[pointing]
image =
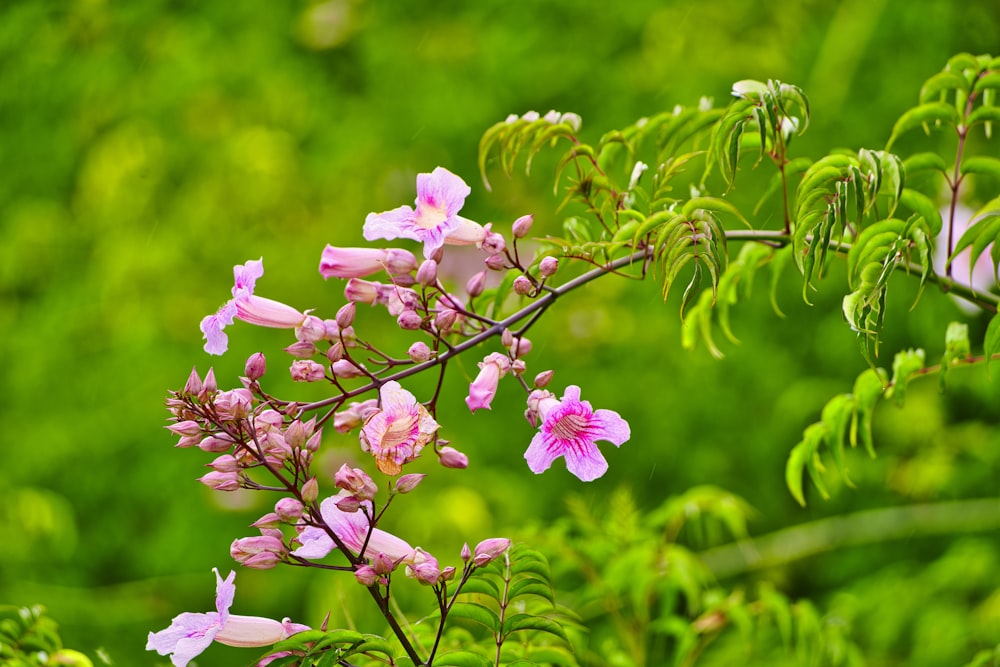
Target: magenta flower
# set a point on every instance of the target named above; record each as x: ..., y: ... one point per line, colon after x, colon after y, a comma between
x: 248, y: 307
x: 398, y: 431
x: 190, y: 633
x: 352, y: 528
x: 440, y: 196
x: 570, y: 428
x: 484, y: 388
x: 360, y: 262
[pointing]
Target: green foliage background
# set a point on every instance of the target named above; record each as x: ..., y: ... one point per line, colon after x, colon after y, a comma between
x: 148, y: 146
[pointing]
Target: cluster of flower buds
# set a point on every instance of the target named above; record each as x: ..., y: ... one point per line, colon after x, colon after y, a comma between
x: 553, y: 116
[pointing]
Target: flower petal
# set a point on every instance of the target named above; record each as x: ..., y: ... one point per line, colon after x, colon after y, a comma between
x: 225, y: 590
x: 541, y: 454
x: 245, y: 277
x: 612, y: 427
x: 315, y: 543
x: 442, y: 189
x: 216, y: 341
x: 390, y: 225
x: 586, y: 462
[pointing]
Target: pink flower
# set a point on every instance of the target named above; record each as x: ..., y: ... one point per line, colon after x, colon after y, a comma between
x: 359, y: 262
x: 440, y: 196
x: 570, y: 428
x: 398, y: 431
x: 247, y: 307
x: 352, y: 528
x: 484, y: 387
x: 190, y: 633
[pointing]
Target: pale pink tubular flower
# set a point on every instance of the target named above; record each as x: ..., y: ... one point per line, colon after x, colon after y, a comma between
x: 440, y: 196
x: 247, y: 307
x: 360, y: 262
x: 484, y: 387
x: 190, y: 633
x: 570, y: 428
x: 352, y: 529
x: 398, y: 431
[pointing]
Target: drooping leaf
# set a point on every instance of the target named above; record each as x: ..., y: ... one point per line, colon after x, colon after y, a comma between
x: 931, y: 112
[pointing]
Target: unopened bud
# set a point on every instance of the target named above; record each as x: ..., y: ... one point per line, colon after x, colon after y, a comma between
x: 450, y: 457
x: 225, y: 463
x: 289, y: 509
x: 519, y: 347
x: 262, y: 561
x: 548, y: 266
x: 307, y: 370
x: 522, y: 226
x: 269, y: 520
x: 335, y: 353
x: 310, y: 491
x: 427, y: 273
x: 383, y: 563
x: 301, y: 350
x: 312, y: 444
x: 517, y: 367
x: 403, y: 280
x: 186, y: 427
x: 348, y: 504
x: 544, y: 378
x: 366, y: 575
x: 407, y: 483
x: 193, y: 385
x: 209, y: 386
x: 399, y: 261
x: 476, y: 284
x: 506, y: 337
x: 221, y: 481
x: 345, y: 316
x: 419, y: 352
x: 214, y: 444
x: 311, y: 330
x: 296, y: 434
x: 346, y: 368
x: 493, y: 244
x: 522, y: 285
x: 409, y: 320
x: 255, y: 366
x: 445, y: 320
x: 355, y: 481
x: 496, y: 263
x: 487, y: 550
x: 466, y: 552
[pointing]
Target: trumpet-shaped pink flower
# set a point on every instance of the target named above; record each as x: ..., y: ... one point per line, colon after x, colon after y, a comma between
x: 440, y: 196
x: 570, y: 428
x: 248, y: 307
x: 190, y: 633
x: 352, y: 528
x: 398, y: 431
x: 359, y: 262
x: 484, y: 387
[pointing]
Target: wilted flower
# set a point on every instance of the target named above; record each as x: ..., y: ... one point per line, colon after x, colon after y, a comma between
x: 398, y: 431
x: 570, y: 428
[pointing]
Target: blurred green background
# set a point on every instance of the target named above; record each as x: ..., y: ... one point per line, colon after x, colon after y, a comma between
x: 148, y: 146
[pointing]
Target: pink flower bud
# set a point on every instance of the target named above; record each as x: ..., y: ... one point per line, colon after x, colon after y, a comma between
x: 301, y: 350
x: 356, y: 482
x: 361, y: 291
x: 289, y: 509
x: 234, y: 404
x: 476, y: 284
x: 351, y: 262
x: 188, y: 441
x: 517, y: 367
x: 312, y: 444
x: 409, y: 320
x: 297, y: 433
x: 256, y: 366
x: 345, y: 316
x: 262, y: 561
x: 522, y: 226
x: 225, y: 463
x: 215, y: 444
x: 221, y: 481
x: 209, y: 386
x: 383, y: 563
x: 187, y: 427
x: 419, y: 352
x: 544, y: 378
x: 269, y: 520
x: 347, y: 369
x: 445, y: 320
x: 312, y: 330
x: 506, y: 337
x: 399, y: 262
x: 466, y: 552
x: 268, y: 420
x: 450, y: 457
x: 487, y: 550
x: 366, y: 575
x: 354, y: 415
x: 427, y: 273
x: 519, y: 347
x: 243, y: 548
x: 348, y: 504
x: 310, y: 491
x: 494, y: 244
x: 423, y: 567
x: 548, y: 266
x: 407, y: 483
x: 335, y: 353
x: 522, y: 285
x: 496, y: 263
x: 193, y: 385
x: 447, y: 574
x: 307, y: 370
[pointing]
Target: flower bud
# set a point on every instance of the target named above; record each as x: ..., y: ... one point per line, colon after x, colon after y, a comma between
x: 476, y: 284
x: 522, y: 226
x: 519, y: 347
x: 399, y: 261
x: 383, y: 563
x: 427, y: 273
x: 301, y: 350
x: 366, y: 575
x: 488, y: 550
x: 517, y: 367
x: 262, y: 561
x: 193, y: 385
x: 522, y: 285
x: 346, y: 368
x: 307, y: 370
x: 445, y: 320
x: 409, y: 320
x: 571, y: 119
x: 361, y: 291
x: 447, y: 574
x: 544, y: 378
x: 552, y: 116
x: 289, y: 509
x: 506, y: 337
x: 335, y: 353
x: 187, y: 427
x: 310, y: 491
x: 450, y: 457
x: 356, y: 482
x: 548, y: 266
x: 404, y: 280
x: 221, y: 481
x: 466, y: 552
x: 496, y: 263
x: 419, y: 352
x: 493, y: 244
x: 209, y: 386
x: 215, y: 444
x: 311, y: 330
x: 243, y: 548
x: 255, y: 366
x: 224, y: 463
x: 296, y: 434
x: 345, y: 316
x: 348, y: 504
x: 269, y: 520
x: 408, y: 482
x: 188, y: 441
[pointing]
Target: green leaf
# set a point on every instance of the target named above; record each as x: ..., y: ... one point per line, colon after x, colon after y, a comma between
x: 956, y: 349
x: 922, y: 205
x: 983, y: 115
x: 530, y: 587
x: 904, y: 365
x: 991, y: 344
x: 481, y: 585
x: 924, y: 162
x: 712, y: 204
x: 932, y: 112
x: 837, y: 415
x: 989, y: 166
x: 461, y: 659
x: 519, y: 622
x: 476, y: 612
x: 940, y: 82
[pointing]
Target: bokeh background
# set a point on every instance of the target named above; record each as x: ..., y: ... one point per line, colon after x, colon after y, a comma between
x: 148, y: 146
